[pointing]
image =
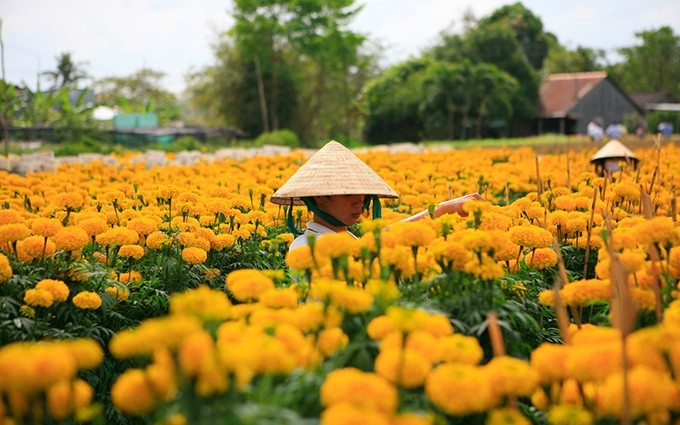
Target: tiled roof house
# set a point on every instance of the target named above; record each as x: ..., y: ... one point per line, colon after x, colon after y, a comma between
x: 568, y: 102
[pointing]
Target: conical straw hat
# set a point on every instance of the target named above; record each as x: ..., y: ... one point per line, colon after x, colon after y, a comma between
x: 332, y: 170
x: 613, y: 149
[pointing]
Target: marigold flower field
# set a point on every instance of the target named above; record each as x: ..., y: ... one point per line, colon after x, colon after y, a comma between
x: 167, y: 295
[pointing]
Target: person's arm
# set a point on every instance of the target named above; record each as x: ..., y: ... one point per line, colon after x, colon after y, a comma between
x: 451, y: 206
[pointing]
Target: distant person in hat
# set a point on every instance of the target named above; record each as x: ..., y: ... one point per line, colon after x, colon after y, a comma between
x: 337, y: 187
x: 595, y: 131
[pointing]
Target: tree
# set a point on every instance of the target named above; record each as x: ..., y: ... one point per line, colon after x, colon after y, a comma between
x: 653, y: 66
x: 561, y: 59
x: 139, y: 92
x: 302, y: 49
x: 9, y: 99
x: 68, y: 72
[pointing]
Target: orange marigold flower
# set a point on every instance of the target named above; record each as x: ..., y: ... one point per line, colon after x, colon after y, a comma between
x: 10, y: 217
x: 542, y: 258
x: 470, y: 384
x: 94, y: 226
x: 142, y: 225
x: 167, y: 192
x: 71, y: 239
x: 133, y: 393
x: 361, y: 389
x: 406, y: 368
x: 335, y: 245
x: 13, y: 232
x: 35, y: 247
x: 300, y: 258
x: 46, y: 226
x: 331, y: 340
x: 530, y: 236
x: 118, y: 293
x: 158, y: 240
x: 131, y: 251
x: 5, y: 268
x: 194, y: 255
x: 57, y: 288
x: 38, y: 298
x: 221, y: 241
x: 68, y: 200
x: 129, y: 277
x: 248, y: 284
x: 87, y: 300
x: 461, y: 348
x: 118, y: 236
x: 416, y: 233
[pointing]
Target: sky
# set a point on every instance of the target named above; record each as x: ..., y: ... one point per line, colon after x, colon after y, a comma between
x: 119, y: 37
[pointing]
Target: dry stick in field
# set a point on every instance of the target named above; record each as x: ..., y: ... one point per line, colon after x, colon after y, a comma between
x: 575, y: 312
x: 623, y: 314
x: 589, y: 231
x: 648, y: 211
x: 568, y: 173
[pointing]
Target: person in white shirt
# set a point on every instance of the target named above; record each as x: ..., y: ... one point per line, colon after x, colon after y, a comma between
x: 337, y: 187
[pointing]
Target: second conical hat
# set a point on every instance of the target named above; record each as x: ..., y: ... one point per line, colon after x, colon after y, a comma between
x: 332, y: 170
x: 613, y: 149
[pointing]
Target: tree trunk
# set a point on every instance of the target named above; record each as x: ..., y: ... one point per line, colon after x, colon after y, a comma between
x: 263, y: 99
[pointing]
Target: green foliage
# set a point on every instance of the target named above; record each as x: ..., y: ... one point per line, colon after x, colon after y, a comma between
x: 278, y: 138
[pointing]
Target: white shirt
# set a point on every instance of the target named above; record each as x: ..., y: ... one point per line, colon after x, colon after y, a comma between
x: 313, y: 228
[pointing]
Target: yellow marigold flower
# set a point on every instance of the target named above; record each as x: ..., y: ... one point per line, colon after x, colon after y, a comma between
x: 361, y: 389
x: 415, y: 233
x: 68, y: 200
x: 485, y: 268
x: 132, y: 393
x: 130, y: 277
x: 65, y: 398
x: 248, y: 284
x: 35, y: 247
x: 57, y: 288
x: 406, y: 368
x: 142, y: 225
x: 46, y: 226
x: 87, y: 352
x: 194, y: 255
x: 548, y: 359
x: 458, y: 348
x: 449, y: 252
x: 158, y: 240
x: 567, y: 414
x: 193, y: 239
x: 118, y: 236
x: 530, y: 236
x: 660, y: 230
x: 331, y: 340
x: 384, y: 290
x: 542, y: 258
x: 10, y: 217
x: 14, y: 232
x: 38, y: 298
x: 162, y: 379
x: 94, y: 226
x: 506, y: 416
x: 87, y: 300
x: 335, y: 245
x: 203, y: 302
x: 153, y: 334
x: 410, y: 418
x: 30, y: 367
x: 131, y: 251
x: 511, y: 376
x: 579, y: 293
x: 469, y: 384
x: 221, y: 241
x: 650, y: 391
x: 280, y: 298
x: 71, y: 239
x: 593, y: 362
x: 300, y: 258
x: 194, y: 351
x: 348, y: 414
x: 380, y: 327
x: 118, y: 293
x: 167, y: 192
x: 5, y: 268
x: 27, y: 311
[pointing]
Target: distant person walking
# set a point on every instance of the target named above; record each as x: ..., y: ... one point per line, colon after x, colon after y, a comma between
x: 615, y: 130
x: 595, y: 131
x: 665, y: 128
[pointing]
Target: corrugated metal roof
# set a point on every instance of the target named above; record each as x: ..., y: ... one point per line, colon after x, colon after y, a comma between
x: 561, y: 92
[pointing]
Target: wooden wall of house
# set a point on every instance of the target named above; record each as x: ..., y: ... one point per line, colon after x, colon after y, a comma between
x: 606, y: 102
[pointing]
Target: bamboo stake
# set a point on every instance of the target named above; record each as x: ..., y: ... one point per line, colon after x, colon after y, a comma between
x: 576, y: 312
x: 589, y: 230
x: 646, y: 202
x: 496, y: 335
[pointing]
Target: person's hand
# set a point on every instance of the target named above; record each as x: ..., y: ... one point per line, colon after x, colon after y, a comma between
x: 455, y: 205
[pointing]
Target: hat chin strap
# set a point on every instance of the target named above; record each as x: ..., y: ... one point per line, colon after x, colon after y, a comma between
x: 324, y: 215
